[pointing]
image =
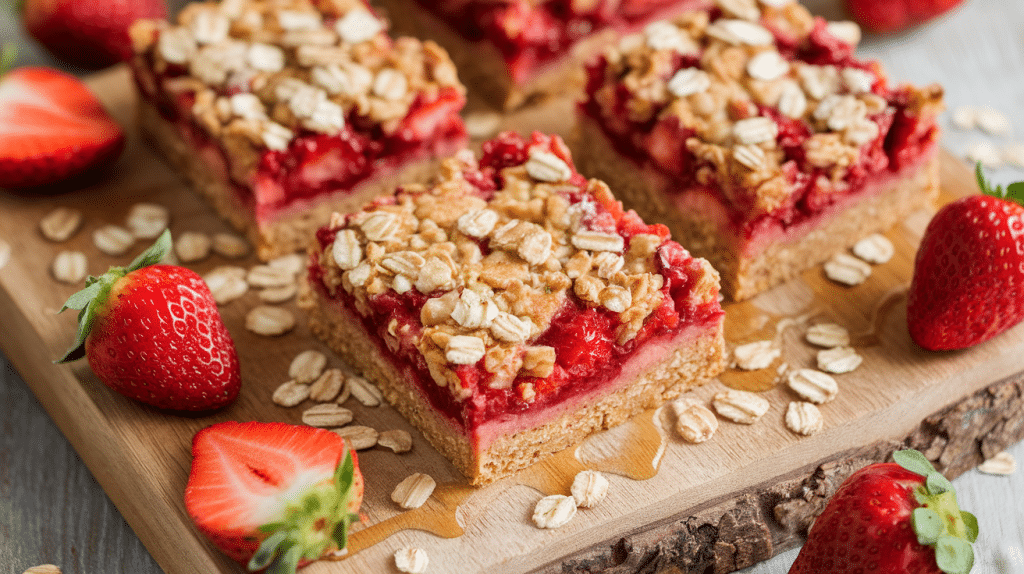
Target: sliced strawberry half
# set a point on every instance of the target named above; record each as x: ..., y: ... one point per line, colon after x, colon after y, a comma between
x: 273, y: 495
x: 52, y: 128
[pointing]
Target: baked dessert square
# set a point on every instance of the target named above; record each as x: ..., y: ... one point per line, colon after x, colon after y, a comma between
x: 513, y: 52
x: 281, y: 112
x: 760, y: 139
x: 513, y: 307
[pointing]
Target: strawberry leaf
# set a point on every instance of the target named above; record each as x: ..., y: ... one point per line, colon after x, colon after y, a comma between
x: 154, y: 254
x: 269, y: 548
x: 927, y: 525
x: 937, y: 484
x: 1015, y: 192
x: 914, y: 461
x: 954, y: 555
x: 286, y: 562
x: 970, y: 525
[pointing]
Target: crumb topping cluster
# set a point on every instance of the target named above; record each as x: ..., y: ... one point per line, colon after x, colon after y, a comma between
x: 264, y: 70
x: 497, y: 266
x: 743, y: 78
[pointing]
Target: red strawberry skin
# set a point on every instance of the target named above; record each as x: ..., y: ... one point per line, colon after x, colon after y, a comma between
x: 866, y: 527
x: 245, y: 475
x: 52, y: 128
x: 968, y: 283
x: 159, y: 339
x: 91, y: 34
x: 895, y: 15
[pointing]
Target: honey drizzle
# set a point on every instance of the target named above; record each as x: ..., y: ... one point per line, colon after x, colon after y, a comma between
x: 879, y: 315
x: 638, y: 458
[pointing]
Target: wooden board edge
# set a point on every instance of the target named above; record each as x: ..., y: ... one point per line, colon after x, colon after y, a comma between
x: 106, y: 459
x: 737, y: 532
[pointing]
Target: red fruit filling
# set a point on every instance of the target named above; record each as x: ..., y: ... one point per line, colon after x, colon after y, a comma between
x: 587, y: 352
x: 659, y: 143
x: 316, y: 164
x: 529, y: 34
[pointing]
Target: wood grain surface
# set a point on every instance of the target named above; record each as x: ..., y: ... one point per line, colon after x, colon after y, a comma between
x: 146, y: 482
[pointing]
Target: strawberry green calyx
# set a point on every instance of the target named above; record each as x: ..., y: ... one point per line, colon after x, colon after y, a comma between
x: 8, y: 54
x: 90, y: 300
x: 1013, y: 192
x: 315, y: 524
x: 939, y: 522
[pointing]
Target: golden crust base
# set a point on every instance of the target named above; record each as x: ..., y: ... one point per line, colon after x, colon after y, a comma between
x: 684, y: 369
x: 744, y: 277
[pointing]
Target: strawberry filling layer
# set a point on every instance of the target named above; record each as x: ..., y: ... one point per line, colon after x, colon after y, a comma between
x: 317, y: 165
x: 530, y: 34
x: 904, y: 142
x: 590, y: 360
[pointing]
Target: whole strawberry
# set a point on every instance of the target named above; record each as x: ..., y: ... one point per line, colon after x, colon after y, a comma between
x: 891, y: 518
x: 153, y: 333
x: 968, y: 283
x: 52, y: 128
x: 91, y: 34
x: 273, y: 495
x: 895, y: 15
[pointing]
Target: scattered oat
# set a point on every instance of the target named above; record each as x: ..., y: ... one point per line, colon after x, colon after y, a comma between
x: 803, y: 418
x: 414, y: 490
x: 589, y: 488
x: 69, y: 267
x: 262, y: 276
x: 326, y: 415
x: 43, y: 569
x: 846, y: 269
x: 411, y: 560
x: 814, y: 386
x: 230, y: 246
x: 964, y: 118
x: 554, y: 511
x: 694, y: 421
x: 327, y: 386
x: 292, y: 263
x: 839, y: 360
x: 226, y: 284
x: 482, y: 125
x: 397, y: 440
x: 828, y: 335
x: 1013, y: 155
x: 740, y: 406
x: 1002, y: 463
x: 113, y: 240
x: 987, y: 153
x: 279, y: 294
x: 993, y: 122
x: 192, y: 246
x: 147, y: 220
x: 269, y: 321
x: 358, y: 437
x: 364, y: 391
x: 757, y: 355
x: 61, y: 223
x: 290, y: 394
x: 307, y: 366
x: 875, y: 248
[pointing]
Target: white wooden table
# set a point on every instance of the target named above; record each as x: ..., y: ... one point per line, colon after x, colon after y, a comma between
x: 52, y: 511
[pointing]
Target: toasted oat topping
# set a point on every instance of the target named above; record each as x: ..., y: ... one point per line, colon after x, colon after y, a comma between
x: 494, y: 268
x: 741, y: 77
x: 262, y: 71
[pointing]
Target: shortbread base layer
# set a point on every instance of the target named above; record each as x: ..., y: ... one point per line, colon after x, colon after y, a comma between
x: 293, y: 228
x: 482, y: 67
x: 694, y: 357
x: 749, y: 267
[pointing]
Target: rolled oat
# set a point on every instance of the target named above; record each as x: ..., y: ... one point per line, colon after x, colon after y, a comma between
x: 803, y: 418
x: 148, y: 220
x: 326, y: 415
x: 411, y: 560
x: 279, y: 294
x: 364, y: 391
x: 230, y: 246
x: 814, y: 386
x: 327, y: 386
x: 226, y: 284
x: 839, y: 360
x: 1002, y: 463
x: 70, y: 267
x: 589, y: 488
x: 828, y: 335
x: 61, y: 223
x: 413, y: 491
x: 694, y: 421
x: 269, y: 321
x: 740, y: 406
x: 847, y: 270
x: 290, y: 394
x: 757, y: 355
x: 554, y: 511
x: 397, y: 440
x: 192, y: 246
x: 358, y: 437
x: 875, y: 248
x: 113, y: 240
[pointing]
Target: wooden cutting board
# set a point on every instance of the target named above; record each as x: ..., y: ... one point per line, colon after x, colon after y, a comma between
x: 141, y: 456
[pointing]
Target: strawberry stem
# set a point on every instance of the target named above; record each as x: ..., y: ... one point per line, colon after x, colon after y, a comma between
x: 90, y: 300
x: 1013, y: 192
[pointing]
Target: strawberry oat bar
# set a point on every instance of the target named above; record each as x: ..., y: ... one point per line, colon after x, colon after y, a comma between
x: 513, y: 307
x: 759, y: 138
x: 512, y: 51
x: 281, y: 112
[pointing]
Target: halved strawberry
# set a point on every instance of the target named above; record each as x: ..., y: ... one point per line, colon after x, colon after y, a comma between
x: 52, y: 128
x: 273, y: 495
